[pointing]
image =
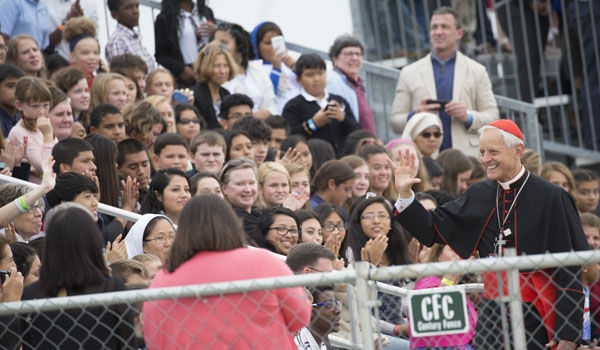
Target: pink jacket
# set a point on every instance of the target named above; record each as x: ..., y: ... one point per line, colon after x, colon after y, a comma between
x: 445, y: 340
x: 36, y: 149
x: 252, y: 320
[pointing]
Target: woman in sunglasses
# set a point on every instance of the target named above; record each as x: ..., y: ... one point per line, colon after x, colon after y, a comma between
x: 425, y: 130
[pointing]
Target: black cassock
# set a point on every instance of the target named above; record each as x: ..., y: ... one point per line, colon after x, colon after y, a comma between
x: 543, y: 219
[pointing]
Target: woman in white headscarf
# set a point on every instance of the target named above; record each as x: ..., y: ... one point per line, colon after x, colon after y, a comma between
x: 425, y: 130
x: 151, y: 234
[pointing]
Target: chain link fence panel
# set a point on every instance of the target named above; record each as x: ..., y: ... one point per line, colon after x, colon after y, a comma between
x: 527, y: 311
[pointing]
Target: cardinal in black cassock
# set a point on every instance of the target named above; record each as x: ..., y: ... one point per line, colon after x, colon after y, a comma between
x: 514, y: 209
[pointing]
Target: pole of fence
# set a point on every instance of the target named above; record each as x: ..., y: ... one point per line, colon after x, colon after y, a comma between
x: 516, y: 304
x: 352, y: 309
x: 364, y: 303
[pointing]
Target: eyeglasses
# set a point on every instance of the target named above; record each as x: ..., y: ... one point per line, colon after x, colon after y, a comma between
x: 162, y: 239
x: 188, y: 121
x: 35, y: 207
x: 282, y: 231
x: 372, y: 217
x: 4, y: 48
x: 436, y: 134
x: 341, y: 226
x: 329, y: 305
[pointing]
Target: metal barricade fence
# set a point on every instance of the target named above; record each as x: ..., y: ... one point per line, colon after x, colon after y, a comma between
x: 558, y: 73
x: 214, y: 308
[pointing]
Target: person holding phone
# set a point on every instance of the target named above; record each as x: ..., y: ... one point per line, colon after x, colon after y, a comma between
x: 316, y: 113
x: 449, y: 84
x: 269, y: 46
x: 182, y: 29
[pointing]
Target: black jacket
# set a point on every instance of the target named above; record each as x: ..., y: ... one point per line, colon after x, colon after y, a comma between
x: 166, y: 42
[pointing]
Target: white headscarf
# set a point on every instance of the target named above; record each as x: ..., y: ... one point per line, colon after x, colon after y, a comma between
x: 134, y: 242
x: 419, y: 122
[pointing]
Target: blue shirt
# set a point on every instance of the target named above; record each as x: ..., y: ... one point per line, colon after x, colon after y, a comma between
x: 26, y: 17
x: 443, y: 73
x: 8, y: 121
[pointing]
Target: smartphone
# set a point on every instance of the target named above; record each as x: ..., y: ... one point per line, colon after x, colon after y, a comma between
x: 278, y: 43
x: 441, y: 103
x: 4, y: 274
x: 330, y: 104
x: 180, y: 97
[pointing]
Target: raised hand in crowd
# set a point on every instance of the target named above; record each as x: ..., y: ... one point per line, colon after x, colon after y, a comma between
x: 10, y: 233
x: 13, y: 209
x: 74, y: 11
x: 13, y: 153
x: 374, y: 249
x: 296, y: 200
x: 129, y: 194
x: 333, y: 243
x: 117, y: 250
x: 403, y: 173
x: 291, y: 156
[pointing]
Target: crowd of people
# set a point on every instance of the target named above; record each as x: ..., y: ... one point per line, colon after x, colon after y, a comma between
x: 223, y: 140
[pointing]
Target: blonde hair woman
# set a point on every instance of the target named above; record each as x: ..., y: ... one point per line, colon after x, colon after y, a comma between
x: 274, y: 188
x: 164, y: 107
x: 213, y: 67
x: 108, y: 88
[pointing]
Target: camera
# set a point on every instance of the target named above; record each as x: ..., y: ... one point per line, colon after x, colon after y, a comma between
x: 4, y: 274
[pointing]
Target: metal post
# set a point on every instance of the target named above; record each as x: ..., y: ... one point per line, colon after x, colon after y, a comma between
x: 352, y: 308
x: 364, y: 303
x: 516, y: 304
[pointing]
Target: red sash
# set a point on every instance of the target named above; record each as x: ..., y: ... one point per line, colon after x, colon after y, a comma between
x: 537, y: 287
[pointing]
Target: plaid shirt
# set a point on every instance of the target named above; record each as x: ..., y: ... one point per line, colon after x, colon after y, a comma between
x: 125, y: 40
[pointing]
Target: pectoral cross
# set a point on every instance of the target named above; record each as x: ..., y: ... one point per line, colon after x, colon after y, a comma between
x: 499, y: 244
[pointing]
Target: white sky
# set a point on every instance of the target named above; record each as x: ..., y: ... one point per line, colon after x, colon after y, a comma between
x: 312, y: 23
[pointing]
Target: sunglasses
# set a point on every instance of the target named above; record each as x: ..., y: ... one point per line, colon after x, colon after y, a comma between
x: 188, y: 121
x: 436, y: 134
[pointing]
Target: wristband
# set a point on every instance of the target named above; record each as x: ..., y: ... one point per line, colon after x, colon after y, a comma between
x: 469, y: 119
x: 312, y: 125
x: 447, y: 282
x: 20, y: 204
x: 397, y: 330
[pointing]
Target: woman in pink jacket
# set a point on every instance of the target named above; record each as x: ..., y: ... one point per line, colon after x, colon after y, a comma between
x: 209, y: 248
